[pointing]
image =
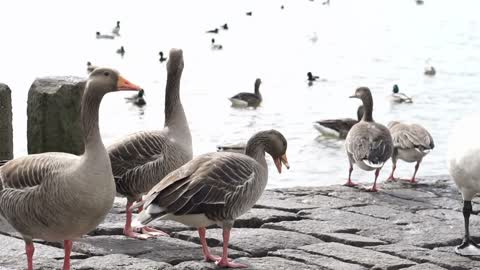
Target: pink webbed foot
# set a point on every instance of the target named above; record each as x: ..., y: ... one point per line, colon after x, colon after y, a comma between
x: 350, y: 184
x: 391, y: 179
x: 153, y: 232
x: 212, y: 258
x: 132, y: 234
x: 227, y: 263
x: 372, y: 189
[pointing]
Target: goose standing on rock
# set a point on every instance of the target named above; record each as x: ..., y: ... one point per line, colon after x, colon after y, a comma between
x: 464, y: 167
x: 60, y: 196
x: 141, y: 160
x: 411, y: 143
x: 215, y: 188
x: 245, y: 99
x: 369, y: 144
x: 338, y: 127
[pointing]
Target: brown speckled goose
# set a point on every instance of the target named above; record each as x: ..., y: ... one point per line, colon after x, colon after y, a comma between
x: 60, y: 196
x: 216, y: 188
x: 141, y: 160
x: 368, y: 144
x: 338, y: 127
x: 411, y: 143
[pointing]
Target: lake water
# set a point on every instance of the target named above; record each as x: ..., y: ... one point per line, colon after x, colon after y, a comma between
x: 374, y: 43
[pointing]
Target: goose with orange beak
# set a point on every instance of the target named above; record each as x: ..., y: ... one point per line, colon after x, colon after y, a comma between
x: 215, y: 188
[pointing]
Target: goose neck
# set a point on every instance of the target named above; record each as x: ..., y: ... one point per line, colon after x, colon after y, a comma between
x: 367, y: 108
x: 89, y: 115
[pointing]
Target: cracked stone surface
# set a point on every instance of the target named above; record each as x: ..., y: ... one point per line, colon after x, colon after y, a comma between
x: 414, y: 227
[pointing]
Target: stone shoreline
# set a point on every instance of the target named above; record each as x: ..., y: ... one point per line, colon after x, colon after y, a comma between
x: 335, y: 227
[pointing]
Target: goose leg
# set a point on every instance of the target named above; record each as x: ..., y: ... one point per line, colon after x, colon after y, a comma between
x: 374, y: 187
x: 415, y: 173
x: 224, y: 261
x: 394, y: 166
x: 67, y: 245
x: 206, y: 251
x: 127, y: 230
x: 349, y: 182
x: 29, y: 249
x: 468, y: 247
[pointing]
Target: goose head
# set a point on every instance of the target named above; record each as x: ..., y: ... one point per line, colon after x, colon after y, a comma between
x: 274, y: 143
x: 118, y: 23
x: 161, y: 54
x: 362, y: 93
x: 105, y: 80
x: 258, y: 81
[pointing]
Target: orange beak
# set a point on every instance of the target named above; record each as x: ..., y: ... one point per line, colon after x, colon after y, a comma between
x: 278, y: 162
x: 124, y: 85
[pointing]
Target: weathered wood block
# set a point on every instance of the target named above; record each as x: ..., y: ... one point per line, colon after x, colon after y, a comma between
x: 6, y: 131
x: 53, y: 111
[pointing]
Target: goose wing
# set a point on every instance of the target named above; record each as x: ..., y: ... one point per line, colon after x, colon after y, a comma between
x: 411, y: 136
x: 207, y: 184
x: 370, y: 141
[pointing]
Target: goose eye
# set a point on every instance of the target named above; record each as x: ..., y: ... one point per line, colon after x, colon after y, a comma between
x: 106, y: 73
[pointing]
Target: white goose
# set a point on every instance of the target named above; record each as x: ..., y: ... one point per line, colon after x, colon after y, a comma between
x: 216, y: 188
x: 464, y: 167
x: 141, y: 160
x: 60, y: 196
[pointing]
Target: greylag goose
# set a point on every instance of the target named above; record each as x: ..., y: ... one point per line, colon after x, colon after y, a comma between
x: 60, y: 196
x: 216, y: 46
x: 369, y: 144
x: 141, y: 160
x: 245, y: 99
x: 90, y: 67
x: 464, y: 167
x: 398, y: 97
x: 104, y: 36
x: 411, y: 143
x: 116, y: 29
x: 161, y: 59
x: 215, y: 188
x: 121, y: 51
x: 338, y: 127
x: 137, y: 99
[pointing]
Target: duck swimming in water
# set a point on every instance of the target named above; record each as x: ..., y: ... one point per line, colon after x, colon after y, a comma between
x: 398, y: 97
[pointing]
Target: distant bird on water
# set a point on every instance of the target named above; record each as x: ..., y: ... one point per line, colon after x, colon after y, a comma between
x: 429, y: 69
x: 137, y: 99
x: 398, y: 97
x: 311, y: 78
x: 116, y: 29
x: 225, y: 27
x: 216, y: 46
x: 162, y: 58
x: 369, y: 144
x: 249, y: 13
x: 338, y: 127
x: 213, y: 31
x: 411, y: 143
x: 90, y: 67
x: 215, y: 188
x: 104, y: 36
x: 245, y: 99
x: 121, y: 51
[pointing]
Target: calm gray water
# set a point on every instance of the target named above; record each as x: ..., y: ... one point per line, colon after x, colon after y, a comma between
x: 373, y: 43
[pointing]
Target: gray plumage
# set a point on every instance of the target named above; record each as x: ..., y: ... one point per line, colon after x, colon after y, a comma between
x: 220, y: 185
x: 369, y: 144
x: 338, y: 127
x: 141, y: 160
x: 245, y: 99
x: 60, y: 196
x: 411, y: 144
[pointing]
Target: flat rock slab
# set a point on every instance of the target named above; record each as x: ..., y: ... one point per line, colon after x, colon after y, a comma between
x: 323, y: 202
x: 357, y: 255
x: 277, y: 200
x: 425, y: 266
x: 387, y: 213
x: 273, y: 263
x: 257, y: 242
x: 351, y: 239
x: 256, y: 217
x: 323, y: 262
x: 449, y: 260
x: 19, y: 262
x: 194, y: 265
x: 118, y: 262
x: 163, y: 249
x: 312, y: 227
